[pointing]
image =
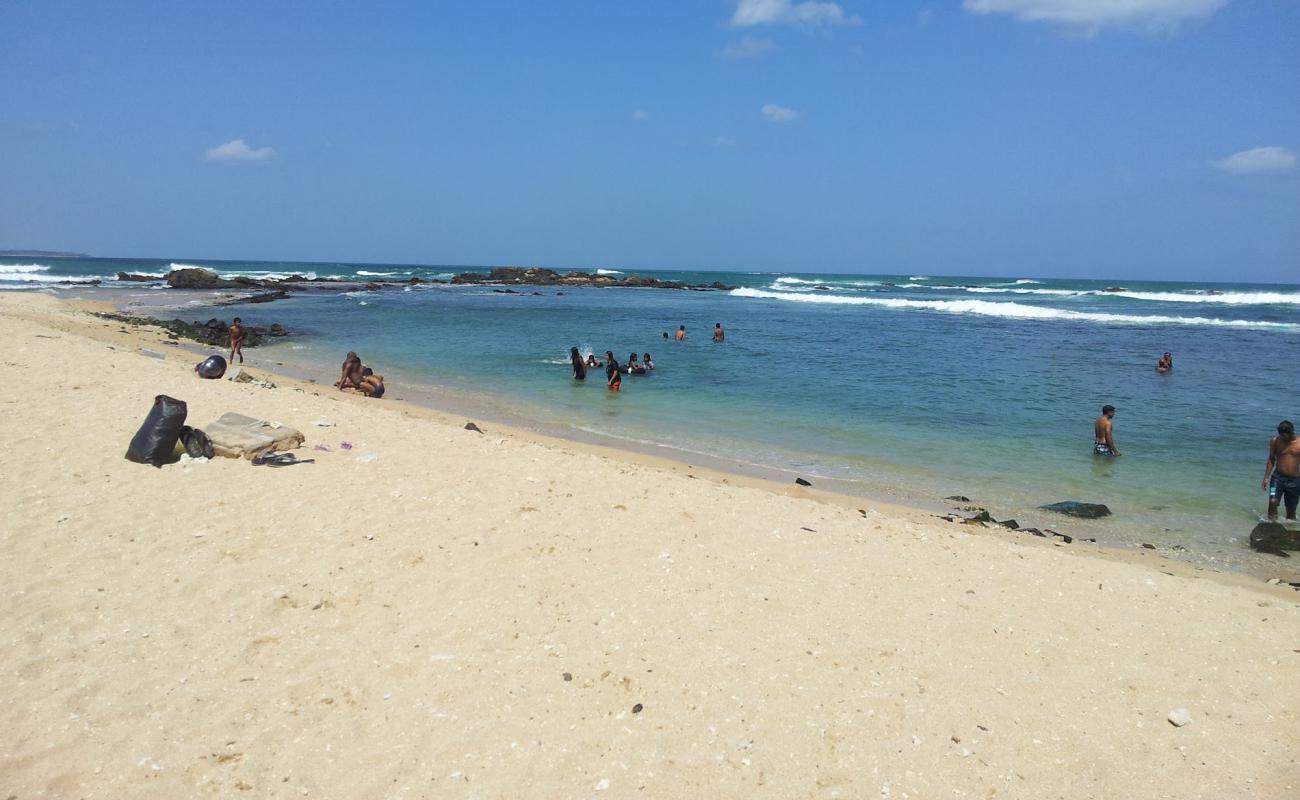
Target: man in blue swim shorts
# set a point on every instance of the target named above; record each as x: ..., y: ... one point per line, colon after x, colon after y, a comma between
x: 1103, y: 433
x: 1284, y: 467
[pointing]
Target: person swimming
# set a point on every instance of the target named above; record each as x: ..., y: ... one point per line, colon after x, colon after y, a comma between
x: 592, y: 361
x: 681, y: 333
x: 579, y: 368
x: 1165, y: 364
x: 645, y: 359
x: 633, y: 366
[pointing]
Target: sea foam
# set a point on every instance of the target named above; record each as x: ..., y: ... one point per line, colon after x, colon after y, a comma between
x: 987, y: 308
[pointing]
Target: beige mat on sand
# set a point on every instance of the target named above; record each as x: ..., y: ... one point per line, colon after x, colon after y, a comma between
x: 237, y: 436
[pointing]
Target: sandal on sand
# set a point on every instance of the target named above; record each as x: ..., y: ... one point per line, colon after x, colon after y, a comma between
x: 280, y: 460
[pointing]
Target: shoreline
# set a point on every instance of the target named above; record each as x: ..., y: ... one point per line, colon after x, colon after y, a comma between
x: 490, y: 407
x: 510, y: 615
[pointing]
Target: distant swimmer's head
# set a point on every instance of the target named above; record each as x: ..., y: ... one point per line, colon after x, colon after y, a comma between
x: 238, y: 321
x: 1168, y: 354
x: 1286, y: 429
x: 665, y: 334
x: 717, y: 324
x: 1108, y: 411
x: 681, y: 327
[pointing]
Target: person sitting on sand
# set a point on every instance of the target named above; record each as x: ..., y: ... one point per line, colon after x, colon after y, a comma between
x: 579, y: 368
x: 1103, y: 431
x: 718, y: 335
x: 592, y: 361
x: 681, y: 332
x: 237, y: 337
x: 645, y: 360
x: 351, y: 376
x: 1165, y: 363
x: 371, y: 385
x: 1284, y: 465
x: 633, y: 366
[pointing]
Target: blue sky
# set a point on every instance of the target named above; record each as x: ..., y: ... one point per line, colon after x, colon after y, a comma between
x: 1133, y: 138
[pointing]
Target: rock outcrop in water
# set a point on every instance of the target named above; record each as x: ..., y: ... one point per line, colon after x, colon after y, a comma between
x: 540, y: 276
x: 1074, y: 508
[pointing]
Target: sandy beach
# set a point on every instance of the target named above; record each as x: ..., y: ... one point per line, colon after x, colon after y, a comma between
x: 438, y: 612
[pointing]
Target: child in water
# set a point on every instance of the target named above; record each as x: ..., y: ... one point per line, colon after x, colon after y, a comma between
x: 633, y: 366
x: 645, y: 359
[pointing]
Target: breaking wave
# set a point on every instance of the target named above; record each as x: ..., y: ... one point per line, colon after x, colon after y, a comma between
x: 985, y: 308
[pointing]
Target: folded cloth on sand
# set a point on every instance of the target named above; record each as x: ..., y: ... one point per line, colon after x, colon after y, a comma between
x: 237, y: 436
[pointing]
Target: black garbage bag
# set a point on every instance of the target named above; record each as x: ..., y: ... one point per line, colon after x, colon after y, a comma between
x: 196, y: 443
x: 212, y: 367
x: 156, y: 439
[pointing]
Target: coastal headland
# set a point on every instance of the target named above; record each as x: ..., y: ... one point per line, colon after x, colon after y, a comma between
x: 431, y: 611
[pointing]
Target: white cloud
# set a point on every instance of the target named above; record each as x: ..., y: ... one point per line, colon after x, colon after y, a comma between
x: 236, y: 151
x: 723, y: 141
x: 640, y: 115
x: 748, y: 47
x: 1259, y: 161
x: 774, y: 113
x: 809, y: 14
x: 1090, y: 16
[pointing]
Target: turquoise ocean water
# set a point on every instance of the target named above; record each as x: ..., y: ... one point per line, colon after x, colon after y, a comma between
x: 911, y: 387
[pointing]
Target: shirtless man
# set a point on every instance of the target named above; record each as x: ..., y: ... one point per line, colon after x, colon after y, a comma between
x: 681, y: 332
x: 237, y: 336
x: 350, y: 378
x: 1284, y: 465
x: 1103, y: 433
x: 718, y: 335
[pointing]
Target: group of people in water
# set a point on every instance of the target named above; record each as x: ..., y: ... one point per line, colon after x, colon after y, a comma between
x: 1281, y: 471
x: 615, y: 371
x: 358, y: 376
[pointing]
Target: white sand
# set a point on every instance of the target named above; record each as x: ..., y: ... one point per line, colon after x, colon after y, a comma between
x: 396, y: 621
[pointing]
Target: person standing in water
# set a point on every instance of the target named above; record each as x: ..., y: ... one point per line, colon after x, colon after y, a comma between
x: 1284, y: 467
x: 718, y: 334
x: 1103, y: 433
x: 613, y: 377
x: 579, y: 368
x: 1165, y: 364
x: 681, y: 332
x: 237, y: 337
x: 645, y: 359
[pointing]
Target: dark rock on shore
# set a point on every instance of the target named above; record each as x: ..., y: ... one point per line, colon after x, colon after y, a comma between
x: 1273, y: 537
x: 132, y: 276
x: 960, y: 498
x: 540, y: 276
x: 1074, y: 508
x: 214, y: 332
